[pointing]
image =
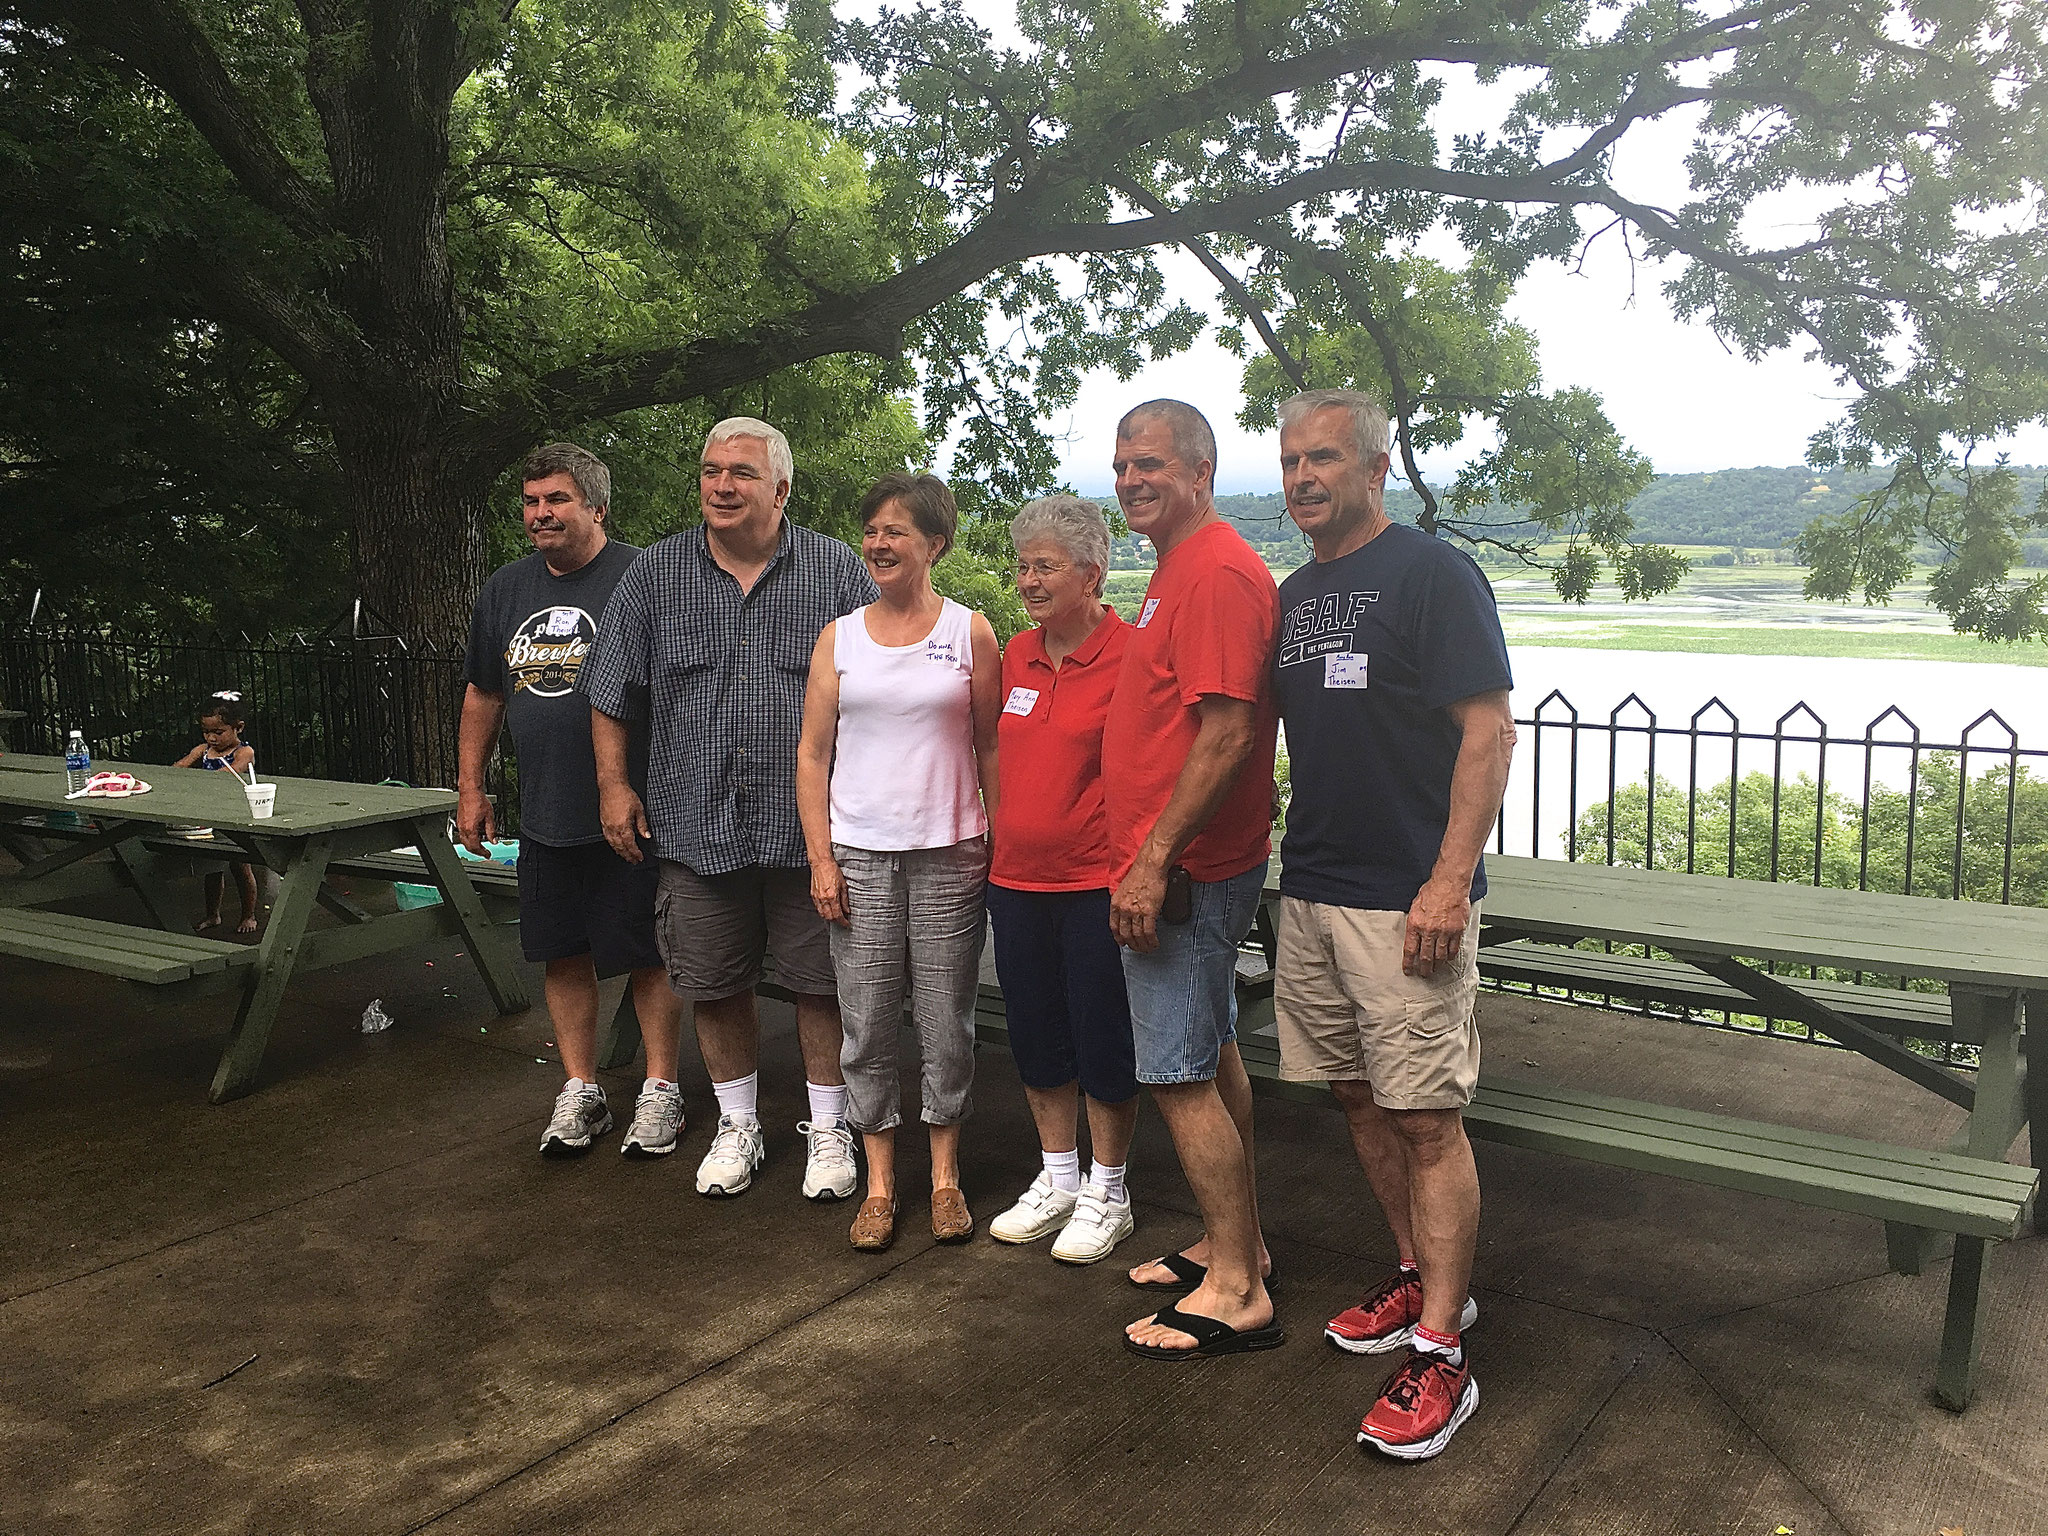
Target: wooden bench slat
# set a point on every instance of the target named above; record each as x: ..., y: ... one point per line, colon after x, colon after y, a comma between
x: 115, y: 949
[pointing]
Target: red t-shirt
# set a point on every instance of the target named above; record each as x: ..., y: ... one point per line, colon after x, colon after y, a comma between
x: 1050, y: 831
x: 1207, y: 626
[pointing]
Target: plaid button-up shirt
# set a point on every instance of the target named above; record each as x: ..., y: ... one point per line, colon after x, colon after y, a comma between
x: 723, y: 675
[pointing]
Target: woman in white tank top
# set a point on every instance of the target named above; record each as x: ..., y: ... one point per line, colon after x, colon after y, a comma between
x: 896, y: 784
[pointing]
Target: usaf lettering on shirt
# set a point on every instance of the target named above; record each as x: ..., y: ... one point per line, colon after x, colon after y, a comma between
x: 1325, y: 629
x: 546, y: 651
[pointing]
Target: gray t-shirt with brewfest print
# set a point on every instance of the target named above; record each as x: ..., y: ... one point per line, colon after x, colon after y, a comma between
x: 528, y: 641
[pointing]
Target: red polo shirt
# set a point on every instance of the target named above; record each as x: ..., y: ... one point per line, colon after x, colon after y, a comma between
x: 1050, y: 832
x: 1207, y: 626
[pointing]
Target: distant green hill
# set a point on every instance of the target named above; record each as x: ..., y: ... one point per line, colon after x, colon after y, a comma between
x: 1754, y: 508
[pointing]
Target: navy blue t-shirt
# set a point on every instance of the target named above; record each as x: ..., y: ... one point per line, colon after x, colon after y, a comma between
x: 1372, y: 647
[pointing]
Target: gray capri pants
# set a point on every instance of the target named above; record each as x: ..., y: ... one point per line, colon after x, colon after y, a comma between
x: 919, y: 918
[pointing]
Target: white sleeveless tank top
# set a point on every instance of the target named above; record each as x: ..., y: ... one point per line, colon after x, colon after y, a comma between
x: 903, y: 776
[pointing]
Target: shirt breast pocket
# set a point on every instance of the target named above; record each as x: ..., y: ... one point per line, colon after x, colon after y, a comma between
x: 686, y: 656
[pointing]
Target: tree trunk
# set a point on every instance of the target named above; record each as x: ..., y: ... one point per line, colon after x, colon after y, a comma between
x: 417, y: 539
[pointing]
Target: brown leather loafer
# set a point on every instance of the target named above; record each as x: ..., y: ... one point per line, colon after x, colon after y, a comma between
x: 874, y: 1225
x: 952, y: 1222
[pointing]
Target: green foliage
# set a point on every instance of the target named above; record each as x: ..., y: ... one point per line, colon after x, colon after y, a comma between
x: 1799, y: 833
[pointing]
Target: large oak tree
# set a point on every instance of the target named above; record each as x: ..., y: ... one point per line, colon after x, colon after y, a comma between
x: 278, y: 269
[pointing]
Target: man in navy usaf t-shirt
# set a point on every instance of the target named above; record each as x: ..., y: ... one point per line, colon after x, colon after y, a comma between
x: 1392, y: 678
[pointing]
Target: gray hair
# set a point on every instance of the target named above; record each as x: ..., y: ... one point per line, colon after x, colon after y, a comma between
x: 1193, y: 438
x: 593, y: 479
x: 780, y: 464
x: 1368, y: 420
x: 1075, y: 525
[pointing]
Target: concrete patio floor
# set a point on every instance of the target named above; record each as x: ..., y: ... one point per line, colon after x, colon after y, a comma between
x: 359, y: 1302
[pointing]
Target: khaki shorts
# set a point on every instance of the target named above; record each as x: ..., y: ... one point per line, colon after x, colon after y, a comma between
x: 1347, y: 1012
x: 718, y: 932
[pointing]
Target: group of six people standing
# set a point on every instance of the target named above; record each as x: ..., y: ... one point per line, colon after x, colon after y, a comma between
x: 746, y: 747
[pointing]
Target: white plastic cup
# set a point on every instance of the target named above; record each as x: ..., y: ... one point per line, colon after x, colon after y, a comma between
x: 262, y: 800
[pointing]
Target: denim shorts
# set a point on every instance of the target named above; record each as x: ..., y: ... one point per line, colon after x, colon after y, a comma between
x: 1184, y: 994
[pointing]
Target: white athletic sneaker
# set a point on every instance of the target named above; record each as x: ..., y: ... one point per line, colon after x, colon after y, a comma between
x: 829, y: 1172
x: 1040, y: 1210
x: 657, y: 1123
x: 1098, y: 1225
x: 736, y: 1151
x: 580, y: 1117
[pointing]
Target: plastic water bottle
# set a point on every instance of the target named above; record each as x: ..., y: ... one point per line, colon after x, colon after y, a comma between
x: 77, y: 763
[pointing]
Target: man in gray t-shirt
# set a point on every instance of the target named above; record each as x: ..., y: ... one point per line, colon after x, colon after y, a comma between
x: 584, y: 911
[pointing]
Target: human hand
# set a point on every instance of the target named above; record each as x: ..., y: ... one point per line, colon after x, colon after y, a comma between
x: 624, y: 820
x: 474, y: 823
x: 1134, y: 907
x: 1436, y: 926
x: 828, y: 893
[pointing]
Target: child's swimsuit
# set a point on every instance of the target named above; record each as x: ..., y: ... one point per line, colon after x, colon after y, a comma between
x: 226, y: 760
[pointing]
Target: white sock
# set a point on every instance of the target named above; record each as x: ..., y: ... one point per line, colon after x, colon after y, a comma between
x: 659, y: 1085
x: 1107, y: 1179
x: 1064, y: 1169
x: 577, y: 1082
x: 737, y: 1099
x: 828, y: 1104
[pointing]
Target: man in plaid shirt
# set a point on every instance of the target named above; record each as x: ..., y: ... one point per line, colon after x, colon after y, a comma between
x: 710, y: 632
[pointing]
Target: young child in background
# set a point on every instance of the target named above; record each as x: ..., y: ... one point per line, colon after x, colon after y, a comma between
x: 221, y: 723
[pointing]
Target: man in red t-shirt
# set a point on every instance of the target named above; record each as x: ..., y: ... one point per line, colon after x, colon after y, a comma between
x: 1187, y: 772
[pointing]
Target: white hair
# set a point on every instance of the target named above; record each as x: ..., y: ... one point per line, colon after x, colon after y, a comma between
x: 1075, y: 525
x: 1368, y: 421
x: 780, y: 464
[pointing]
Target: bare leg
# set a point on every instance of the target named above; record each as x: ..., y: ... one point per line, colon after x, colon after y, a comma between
x: 571, y: 991
x: 1383, y: 1154
x: 946, y: 1156
x: 1110, y: 1127
x: 1443, y: 1204
x: 1213, y: 1156
x: 1054, y: 1112
x: 661, y: 1021
x: 246, y: 878
x: 881, y: 1150
x: 729, y: 1035
x: 820, y: 1034
x: 1234, y: 1084
x: 216, y: 887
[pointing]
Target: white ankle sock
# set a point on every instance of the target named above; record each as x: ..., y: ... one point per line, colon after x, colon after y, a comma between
x: 1064, y: 1169
x: 1107, y: 1179
x: 577, y: 1082
x: 659, y: 1084
x: 828, y: 1104
x: 737, y: 1098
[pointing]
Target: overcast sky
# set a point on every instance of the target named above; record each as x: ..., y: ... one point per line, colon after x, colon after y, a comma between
x: 1672, y: 389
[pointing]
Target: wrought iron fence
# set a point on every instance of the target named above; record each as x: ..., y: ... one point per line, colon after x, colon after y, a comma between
x: 355, y: 708
x: 1884, y: 809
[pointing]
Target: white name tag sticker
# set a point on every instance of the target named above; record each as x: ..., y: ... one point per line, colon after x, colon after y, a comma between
x: 1021, y: 702
x: 1145, y: 615
x: 1346, y: 669
x: 563, y: 621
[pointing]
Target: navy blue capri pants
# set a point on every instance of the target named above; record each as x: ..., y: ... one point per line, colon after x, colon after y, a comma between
x: 1063, y: 991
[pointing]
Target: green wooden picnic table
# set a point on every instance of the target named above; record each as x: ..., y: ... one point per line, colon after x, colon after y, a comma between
x: 1993, y: 958
x: 316, y: 822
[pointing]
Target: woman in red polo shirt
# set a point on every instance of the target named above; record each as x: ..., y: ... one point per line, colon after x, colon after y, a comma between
x: 1062, y: 979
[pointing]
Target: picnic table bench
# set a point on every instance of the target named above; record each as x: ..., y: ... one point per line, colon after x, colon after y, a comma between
x: 318, y: 825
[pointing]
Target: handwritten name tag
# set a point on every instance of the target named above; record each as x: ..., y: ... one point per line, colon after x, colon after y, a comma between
x: 1145, y: 615
x: 1021, y: 702
x: 1344, y: 670
x: 563, y: 621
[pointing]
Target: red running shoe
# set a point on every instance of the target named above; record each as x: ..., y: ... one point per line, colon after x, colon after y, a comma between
x: 1385, y: 1321
x: 1420, y: 1408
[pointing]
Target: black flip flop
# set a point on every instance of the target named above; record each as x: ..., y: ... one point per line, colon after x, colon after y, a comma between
x: 1187, y: 1274
x: 1211, y: 1337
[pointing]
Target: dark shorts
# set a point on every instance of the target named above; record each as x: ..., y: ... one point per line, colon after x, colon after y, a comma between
x: 1063, y: 991
x: 586, y: 900
x: 719, y: 934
